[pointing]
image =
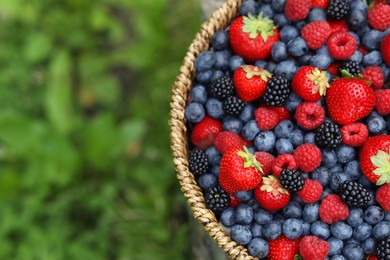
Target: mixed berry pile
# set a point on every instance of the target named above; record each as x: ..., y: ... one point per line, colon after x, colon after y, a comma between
x: 289, y: 121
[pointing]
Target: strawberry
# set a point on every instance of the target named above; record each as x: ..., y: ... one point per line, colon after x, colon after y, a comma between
x: 383, y: 101
x: 253, y: 37
x: 375, y: 159
x: 283, y: 248
x: 310, y: 83
x: 385, y: 49
x: 349, y: 100
x: 205, y: 132
x: 239, y: 170
x: 250, y: 82
x: 271, y: 195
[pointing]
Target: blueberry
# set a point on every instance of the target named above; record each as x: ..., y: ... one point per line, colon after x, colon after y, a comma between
x: 296, y: 137
x: 386, y: 75
x: 305, y: 59
x: 279, y: 217
x: 220, y: 40
x: 345, y: 153
x: 265, y: 141
x: 256, y: 230
x: 205, y: 61
x: 243, y: 214
x: 337, y: 168
x: 336, y: 179
x: 337, y: 257
x: 322, y: 175
x: 335, y: 246
x: 361, y: 31
x: 244, y: 195
x: 247, y: 113
x: 353, y: 170
x: 214, y: 108
x: 241, y: 234
x: 387, y: 216
x: 326, y: 192
x: 292, y: 210
x: 235, y: 62
x: 262, y: 216
x: 258, y: 248
x: 286, y: 68
x: 310, y: 212
x: 267, y: 11
x: 310, y: 138
x: 281, y: 20
x: 359, y: 5
x: 381, y: 230
x: 247, y: 7
x: 341, y: 230
x: 297, y: 47
x: 356, y: 56
x: 366, y: 183
x: 254, y: 205
x: 227, y: 217
x: 353, y: 252
x: 305, y: 229
x: 376, y: 124
x: 204, y: 76
x: 207, y: 180
x: 279, y: 52
x: 292, y: 228
x: 320, y: 229
x: 250, y: 130
x: 373, y: 58
x: 216, y: 75
x: 288, y: 33
x: 372, y: 40
x: 300, y: 24
x: 329, y: 158
x: 372, y: 201
x: 352, y: 241
x: 272, y: 230
x: 283, y: 146
x: 316, y: 14
x: 199, y: 94
x: 357, y: 19
x: 251, y: 149
x: 215, y: 170
x: 373, y: 215
x: 284, y: 129
x: 232, y: 124
x: 278, y: 5
x: 368, y: 246
x: 297, y: 199
x: 221, y: 60
x: 321, y: 61
x: 261, y: 64
x: 194, y: 112
x: 355, y: 217
x: 293, y: 102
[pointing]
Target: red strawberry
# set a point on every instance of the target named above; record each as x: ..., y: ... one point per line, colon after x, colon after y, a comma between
x: 205, y: 132
x: 349, y: 100
x: 320, y: 3
x: 382, y: 196
x: 253, y: 37
x: 383, y: 101
x: 310, y: 83
x: 385, y: 49
x: 379, y: 16
x: 227, y: 140
x: 271, y: 195
x: 375, y: 159
x: 316, y: 33
x: 296, y: 10
x: 250, y: 82
x: 239, y: 170
x: 283, y: 248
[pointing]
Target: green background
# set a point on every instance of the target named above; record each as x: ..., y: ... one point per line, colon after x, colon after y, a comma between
x: 85, y: 163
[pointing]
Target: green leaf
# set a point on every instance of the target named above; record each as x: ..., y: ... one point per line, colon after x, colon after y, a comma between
x: 38, y: 47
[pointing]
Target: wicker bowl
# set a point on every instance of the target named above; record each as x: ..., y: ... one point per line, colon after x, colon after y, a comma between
x: 219, y: 20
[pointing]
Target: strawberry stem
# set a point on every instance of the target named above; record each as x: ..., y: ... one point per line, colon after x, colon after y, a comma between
x: 250, y: 160
x: 259, y: 25
x: 382, y: 161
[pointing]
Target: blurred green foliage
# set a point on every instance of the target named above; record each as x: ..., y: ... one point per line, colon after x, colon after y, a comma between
x: 85, y: 164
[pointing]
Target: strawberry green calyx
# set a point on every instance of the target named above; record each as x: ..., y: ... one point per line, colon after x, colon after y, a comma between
x: 250, y: 160
x: 259, y: 25
x: 252, y: 71
x: 346, y: 75
x: 320, y: 81
x: 382, y: 161
x: 272, y: 185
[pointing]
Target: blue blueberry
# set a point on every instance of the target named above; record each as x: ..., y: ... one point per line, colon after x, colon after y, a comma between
x: 205, y: 61
x: 376, y: 124
x: 357, y: 19
x: 261, y: 64
x: 267, y: 11
x: 336, y: 179
x: 305, y: 59
x: 227, y: 217
x: 310, y: 212
x: 372, y: 40
x: 204, y: 76
x: 337, y: 257
x: 310, y: 138
x: 381, y: 230
x: 215, y: 170
x: 329, y: 158
x: 386, y: 73
x: 353, y: 170
x: 373, y: 215
x: 322, y: 175
x: 247, y: 7
x: 241, y: 234
x: 296, y: 137
x: 356, y: 56
x: 345, y: 153
x: 353, y: 252
x: 305, y: 229
x: 256, y: 230
x: 316, y: 14
x: 247, y: 113
x: 297, y: 47
x: 286, y: 68
x: 373, y: 58
x: 279, y: 51
x: 214, y: 108
x: 271, y: 66
x: 244, y: 195
x: 321, y: 61
x: 292, y: 228
x: 235, y: 62
x: 194, y: 112
x: 337, y: 168
x: 293, y: 102
x: 366, y: 183
x: 207, y: 180
x: 254, y: 205
x: 250, y: 130
x: 368, y: 246
x: 320, y: 229
x: 341, y: 230
x: 288, y: 33
x: 199, y: 94
x: 387, y: 216
x: 279, y: 217
x: 361, y: 31
x: 265, y: 141
x: 258, y: 248
x: 326, y: 192
x: 284, y: 129
x: 352, y: 241
x: 355, y: 217
x: 283, y: 146
x: 281, y: 20
x: 243, y: 214
x: 297, y: 199
x: 220, y: 40
x: 221, y: 60
x: 359, y: 5
x: 272, y: 230
x: 335, y: 246
x: 300, y: 24
x: 278, y: 5
x: 232, y: 124
x: 216, y: 75
x: 262, y: 216
x: 292, y: 210
x: 251, y: 149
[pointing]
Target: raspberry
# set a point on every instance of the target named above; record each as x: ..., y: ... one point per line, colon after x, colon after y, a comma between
x: 266, y: 160
x: 333, y: 209
x: 282, y: 112
x: 316, y: 34
x: 205, y: 132
x: 266, y: 118
x: 362, y: 50
x: 308, y: 157
x: 382, y: 196
x: 310, y: 115
x: 385, y: 49
x: 333, y: 69
x: 320, y: 3
x: 354, y: 134
x: 227, y: 140
x: 311, y: 247
x: 342, y: 45
x: 379, y: 17
x: 311, y: 191
x: 338, y: 26
x: 383, y: 101
x: 296, y: 10
x: 374, y: 74
x: 284, y: 161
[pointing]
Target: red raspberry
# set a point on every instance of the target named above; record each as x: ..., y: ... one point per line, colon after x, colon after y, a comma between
x: 382, y: 196
x: 379, y: 17
x: 333, y: 69
x: 234, y: 201
x: 311, y: 191
x: 310, y: 115
x: 296, y: 10
x: 385, y: 49
x: 338, y: 25
x: 266, y: 118
x: 372, y: 257
x: 374, y: 74
x: 333, y: 209
x: 320, y: 3
x: 362, y: 50
x: 316, y: 34
x: 308, y: 157
x: 383, y: 101
x: 227, y: 140
x: 266, y: 160
x: 354, y: 134
x: 205, y: 132
x: 342, y: 45
x: 284, y: 161
x: 311, y: 247
x: 283, y: 113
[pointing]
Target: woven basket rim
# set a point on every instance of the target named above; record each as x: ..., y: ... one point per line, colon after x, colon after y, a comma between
x: 219, y: 20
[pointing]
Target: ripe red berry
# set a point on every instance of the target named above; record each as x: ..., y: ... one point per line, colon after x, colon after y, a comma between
x: 296, y: 10
x: 316, y: 33
x: 282, y: 112
x: 266, y: 160
x: 374, y: 74
x: 354, y: 134
x: 310, y: 115
x: 311, y: 191
x: 227, y: 140
x: 234, y: 201
x: 308, y: 157
x: 284, y: 161
x: 385, y: 49
x: 205, y: 132
x: 382, y: 196
x: 320, y: 3
x: 379, y: 17
x: 338, y: 25
x: 342, y: 45
x: 333, y: 209
x: 311, y: 247
x: 266, y: 118
x: 383, y: 101
x: 333, y: 69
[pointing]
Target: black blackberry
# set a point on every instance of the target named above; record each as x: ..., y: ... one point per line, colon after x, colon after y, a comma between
x: 383, y: 249
x: 198, y: 162
x: 328, y: 135
x: 352, y: 67
x: 338, y: 9
x: 291, y: 179
x: 222, y: 87
x: 354, y: 194
x: 277, y: 91
x: 217, y: 199
x: 233, y: 105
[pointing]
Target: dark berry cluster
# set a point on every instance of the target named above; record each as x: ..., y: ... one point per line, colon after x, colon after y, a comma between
x: 354, y: 194
x: 352, y: 67
x: 222, y: 87
x: 292, y: 179
x: 338, y: 9
x: 328, y: 135
x: 198, y: 162
x: 217, y: 199
x: 383, y: 249
x: 277, y: 91
x: 233, y: 105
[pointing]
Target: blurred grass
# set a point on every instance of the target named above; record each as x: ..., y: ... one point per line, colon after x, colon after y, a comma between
x: 85, y: 164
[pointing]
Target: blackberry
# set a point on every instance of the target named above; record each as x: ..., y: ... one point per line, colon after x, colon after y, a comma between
x: 292, y: 179
x: 222, y: 87
x: 354, y: 194
x: 328, y: 135
x: 233, y: 106
x: 352, y: 67
x: 338, y: 9
x: 277, y: 91
x: 383, y: 249
x: 198, y: 162
x: 217, y: 199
